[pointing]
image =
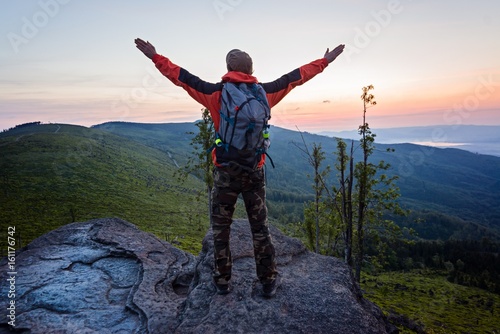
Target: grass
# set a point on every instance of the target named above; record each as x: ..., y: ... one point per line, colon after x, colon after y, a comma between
x: 51, y: 175
x: 433, y: 304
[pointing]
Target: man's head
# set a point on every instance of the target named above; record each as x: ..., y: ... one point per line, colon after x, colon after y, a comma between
x: 240, y: 61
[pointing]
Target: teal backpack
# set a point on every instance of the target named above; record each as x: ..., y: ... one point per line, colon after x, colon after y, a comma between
x: 243, y: 134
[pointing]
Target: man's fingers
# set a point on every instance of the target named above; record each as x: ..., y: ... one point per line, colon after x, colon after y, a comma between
x: 338, y: 50
x: 140, y: 42
x: 143, y: 46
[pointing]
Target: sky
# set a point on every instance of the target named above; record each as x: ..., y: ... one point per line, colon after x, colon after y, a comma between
x: 75, y: 62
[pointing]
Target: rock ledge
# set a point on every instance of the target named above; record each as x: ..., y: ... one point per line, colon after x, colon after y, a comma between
x: 107, y: 276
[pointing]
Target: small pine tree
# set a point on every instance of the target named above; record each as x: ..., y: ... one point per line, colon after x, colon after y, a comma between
x: 315, y: 159
x: 364, y: 195
x: 201, y: 163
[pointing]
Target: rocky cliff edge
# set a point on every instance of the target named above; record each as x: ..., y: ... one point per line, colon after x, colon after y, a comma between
x: 107, y: 276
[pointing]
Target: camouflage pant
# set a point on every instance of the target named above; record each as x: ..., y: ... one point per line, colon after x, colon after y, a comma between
x: 228, y: 184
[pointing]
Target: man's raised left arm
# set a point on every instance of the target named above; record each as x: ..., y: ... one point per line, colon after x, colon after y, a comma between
x: 278, y: 89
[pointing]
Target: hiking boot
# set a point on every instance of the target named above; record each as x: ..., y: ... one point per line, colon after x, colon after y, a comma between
x: 222, y: 289
x: 269, y: 289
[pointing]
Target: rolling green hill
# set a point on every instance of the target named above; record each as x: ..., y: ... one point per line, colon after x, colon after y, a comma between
x: 171, y: 138
x: 54, y: 174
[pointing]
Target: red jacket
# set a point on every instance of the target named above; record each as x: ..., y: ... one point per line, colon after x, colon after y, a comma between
x: 208, y: 94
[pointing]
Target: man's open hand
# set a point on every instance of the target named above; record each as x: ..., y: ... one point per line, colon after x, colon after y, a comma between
x: 331, y: 55
x: 147, y: 48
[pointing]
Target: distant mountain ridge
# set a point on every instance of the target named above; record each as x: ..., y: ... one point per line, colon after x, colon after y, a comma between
x: 483, y: 139
x: 52, y: 174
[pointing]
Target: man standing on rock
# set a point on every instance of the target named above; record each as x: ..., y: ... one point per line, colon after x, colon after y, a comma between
x: 231, y: 176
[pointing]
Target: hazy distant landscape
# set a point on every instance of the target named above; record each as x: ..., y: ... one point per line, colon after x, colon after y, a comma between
x: 481, y: 139
x: 461, y: 186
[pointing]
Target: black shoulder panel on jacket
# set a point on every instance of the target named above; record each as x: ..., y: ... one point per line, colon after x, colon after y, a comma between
x: 282, y: 83
x: 197, y: 84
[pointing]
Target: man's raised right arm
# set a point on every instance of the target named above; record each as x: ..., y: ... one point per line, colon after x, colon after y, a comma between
x: 197, y: 88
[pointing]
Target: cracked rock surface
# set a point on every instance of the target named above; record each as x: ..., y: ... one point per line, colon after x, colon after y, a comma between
x: 107, y: 276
